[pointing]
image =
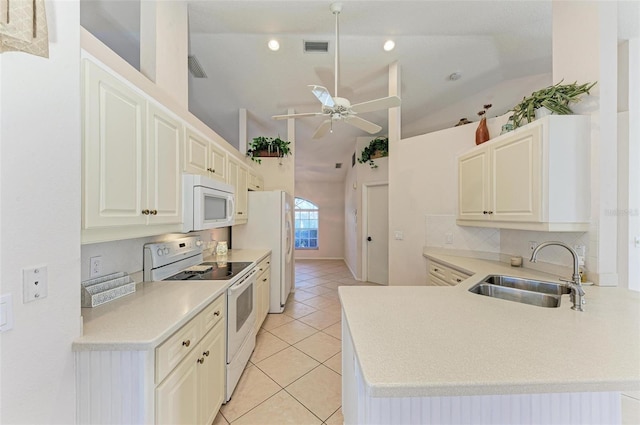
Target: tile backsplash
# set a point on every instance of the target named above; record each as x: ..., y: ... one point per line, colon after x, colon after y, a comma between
x: 442, y: 232
x: 516, y: 242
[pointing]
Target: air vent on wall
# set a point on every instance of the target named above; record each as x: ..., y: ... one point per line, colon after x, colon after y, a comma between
x: 338, y: 164
x: 316, y: 46
x: 195, y: 68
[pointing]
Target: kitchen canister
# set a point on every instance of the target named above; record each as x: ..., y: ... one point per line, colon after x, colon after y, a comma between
x: 222, y: 248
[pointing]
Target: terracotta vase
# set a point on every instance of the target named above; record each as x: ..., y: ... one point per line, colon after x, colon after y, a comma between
x: 482, y: 132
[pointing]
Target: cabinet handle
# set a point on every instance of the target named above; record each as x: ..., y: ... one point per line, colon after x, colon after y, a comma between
x: 145, y: 212
x: 216, y: 313
x: 201, y: 360
x: 186, y: 343
x: 240, y: 212
x: 206, y: 353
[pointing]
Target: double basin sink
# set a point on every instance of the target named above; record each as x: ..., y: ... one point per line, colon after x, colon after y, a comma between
x: 526, y: 291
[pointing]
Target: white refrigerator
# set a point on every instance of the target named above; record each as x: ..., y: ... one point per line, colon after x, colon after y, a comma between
x: 270, y: 226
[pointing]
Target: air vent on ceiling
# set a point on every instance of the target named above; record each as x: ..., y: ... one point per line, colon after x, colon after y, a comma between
x: 338, y: 164
x: 316, y: 46
x: 195, y: 68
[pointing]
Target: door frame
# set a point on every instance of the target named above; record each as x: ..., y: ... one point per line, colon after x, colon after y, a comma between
x: 365, y: 224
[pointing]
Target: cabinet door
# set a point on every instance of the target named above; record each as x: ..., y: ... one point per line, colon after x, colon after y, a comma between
x: 196, y: 154
x: 516, y: 177
x: 217, y: 162
x: 241, y: 194
x: 164, y: 168
x: 473, y: 185
x: 211, y: 372
x: 177, y: 397
x: 114, y: 151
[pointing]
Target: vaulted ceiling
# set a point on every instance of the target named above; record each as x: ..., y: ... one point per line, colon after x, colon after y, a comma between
x: 502, y: 49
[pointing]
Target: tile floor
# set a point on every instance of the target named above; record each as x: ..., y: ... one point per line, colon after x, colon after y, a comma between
x: 293, y: 376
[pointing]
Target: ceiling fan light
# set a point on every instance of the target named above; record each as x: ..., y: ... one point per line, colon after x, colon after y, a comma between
x: 273, y: 45
x: 389, y: 45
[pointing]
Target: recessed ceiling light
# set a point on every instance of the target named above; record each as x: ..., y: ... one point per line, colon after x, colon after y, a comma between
x: 273, y: 45
x: 389, y: 45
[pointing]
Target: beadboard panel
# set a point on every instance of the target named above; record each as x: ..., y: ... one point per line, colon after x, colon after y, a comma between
x: 116, y: 394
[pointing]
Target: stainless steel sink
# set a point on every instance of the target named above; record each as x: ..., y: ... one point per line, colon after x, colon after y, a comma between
x: 528, y: 284
x: 526, y: 291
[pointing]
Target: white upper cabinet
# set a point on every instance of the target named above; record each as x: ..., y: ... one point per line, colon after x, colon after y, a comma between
x: 534, y: 178
x: 132, y: 174
x: 204, y: 157
x: 238, y: 178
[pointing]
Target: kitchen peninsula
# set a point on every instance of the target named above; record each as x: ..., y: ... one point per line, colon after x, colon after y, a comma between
x: 446, y: 355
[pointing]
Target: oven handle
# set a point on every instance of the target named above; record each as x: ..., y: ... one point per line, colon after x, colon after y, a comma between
x: 246, y: 281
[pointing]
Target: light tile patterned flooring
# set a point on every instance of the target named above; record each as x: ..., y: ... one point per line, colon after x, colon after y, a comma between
x: 293, y: 376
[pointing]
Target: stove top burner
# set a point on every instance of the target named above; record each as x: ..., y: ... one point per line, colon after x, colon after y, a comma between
x: 211, y: 271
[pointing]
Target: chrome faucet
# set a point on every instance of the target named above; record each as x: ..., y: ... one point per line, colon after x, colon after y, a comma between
x: 577, y: 292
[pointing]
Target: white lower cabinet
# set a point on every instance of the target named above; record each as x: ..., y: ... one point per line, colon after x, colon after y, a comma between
x: 534, y: 178
x: 441, y: 275
x: 182, y: 381
x: 263, y: 285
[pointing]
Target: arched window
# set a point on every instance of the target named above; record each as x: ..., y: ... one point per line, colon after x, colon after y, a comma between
x: 306, y: 222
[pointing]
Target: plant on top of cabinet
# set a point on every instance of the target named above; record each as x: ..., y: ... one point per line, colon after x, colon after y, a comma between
x: 267, y: 147
x: 378, y: 148
x: 555, y: 98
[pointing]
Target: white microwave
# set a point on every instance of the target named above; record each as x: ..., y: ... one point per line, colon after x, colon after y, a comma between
x: 207, y: 203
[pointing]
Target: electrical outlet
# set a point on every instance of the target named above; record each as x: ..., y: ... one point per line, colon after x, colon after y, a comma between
x: 580, y: 250
x: 448, y: 238
x: 95, y: 266
x: 532, y: 245
x: 34, y: 283
x: 398, y: 235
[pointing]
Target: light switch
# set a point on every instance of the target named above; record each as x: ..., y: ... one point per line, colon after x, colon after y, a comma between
x: 6, y: 312
x: 399, y: 235
x: 34, y: 283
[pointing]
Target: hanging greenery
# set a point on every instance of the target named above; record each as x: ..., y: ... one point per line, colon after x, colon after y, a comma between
x: 267, y: 147
x: 378, y: 148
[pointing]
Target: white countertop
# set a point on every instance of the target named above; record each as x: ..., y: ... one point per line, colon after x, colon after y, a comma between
x: 144, y: 319
x: 417, y: 341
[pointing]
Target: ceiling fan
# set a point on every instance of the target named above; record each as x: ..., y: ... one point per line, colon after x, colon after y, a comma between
x: 338, y: 108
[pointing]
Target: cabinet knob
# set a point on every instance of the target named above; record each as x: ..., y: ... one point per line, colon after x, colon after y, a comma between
x: 206, y: 353
x: 436, y: 270
x: 240, y: 212
x: 186, y: 343
x: 145, y: 212
x: 264, y: 280
x: 490, y: 212
x: 458, y: 280
x: 153, y: 212
x: 485, y: 212
x: 216, y: 313
x: 201, y: 360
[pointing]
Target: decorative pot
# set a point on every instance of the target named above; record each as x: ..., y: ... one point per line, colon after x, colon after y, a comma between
x: 377, y: 154
x: 266, y: 153
x: 482, y: 132
x: 541, y: 112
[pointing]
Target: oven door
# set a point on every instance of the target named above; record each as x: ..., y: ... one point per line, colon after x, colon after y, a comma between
x: 241, y: 313
x: 212, y: 208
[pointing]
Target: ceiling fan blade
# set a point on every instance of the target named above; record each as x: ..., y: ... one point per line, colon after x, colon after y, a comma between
x: 323, y: 96
x: 377, y: 104
x: 286, y: 117
x: 322, y: 129
x: 362, y: 124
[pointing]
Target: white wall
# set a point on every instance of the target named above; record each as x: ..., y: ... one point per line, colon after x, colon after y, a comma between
x: 357, y: 176
x: 126, y: 255
x: 329, y: 197
x: 40, y: 221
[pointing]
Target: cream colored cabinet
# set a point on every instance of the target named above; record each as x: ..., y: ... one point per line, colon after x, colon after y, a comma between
x: 441, y: 275
x: 238, y: 178
x: 194, y: 390
x: 534, y: 178
x: 263, y: 284
x: 132, y: 161
x: 256, y: 182
x: 204, y: 157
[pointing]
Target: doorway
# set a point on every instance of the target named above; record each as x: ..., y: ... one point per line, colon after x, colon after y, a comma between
x: 375, y: 232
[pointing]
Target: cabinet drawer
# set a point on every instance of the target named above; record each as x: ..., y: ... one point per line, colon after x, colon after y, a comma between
x: 457, y: 277
x: 174, y: 349
x: 439, y: 271
x: 436, y: 281
x: 264, y: 265
x: 213, y: 314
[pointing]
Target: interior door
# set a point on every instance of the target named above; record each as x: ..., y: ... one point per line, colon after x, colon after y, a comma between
x: 377, y: 233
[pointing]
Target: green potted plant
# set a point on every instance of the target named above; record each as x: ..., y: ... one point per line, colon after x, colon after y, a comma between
x: 555, y: 98
x: 378, y: 148
x: 267, y: 147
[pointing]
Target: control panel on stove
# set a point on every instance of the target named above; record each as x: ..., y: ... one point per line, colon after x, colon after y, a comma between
x: 168, y: 252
